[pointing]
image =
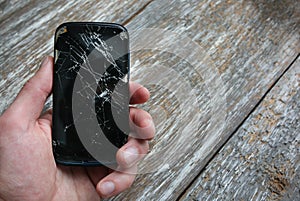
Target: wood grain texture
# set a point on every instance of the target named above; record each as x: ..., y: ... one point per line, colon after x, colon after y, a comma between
x: 248, y: 43
x: 27, y: 29
x: 216, y: 61
x: 262, y: 160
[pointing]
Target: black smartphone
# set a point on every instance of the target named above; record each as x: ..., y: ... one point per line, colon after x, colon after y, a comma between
x: 90, y: 93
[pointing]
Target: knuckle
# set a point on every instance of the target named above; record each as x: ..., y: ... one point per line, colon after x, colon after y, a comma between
x: 37, y: 90
x: 129, y: 182
x: 28, y: 85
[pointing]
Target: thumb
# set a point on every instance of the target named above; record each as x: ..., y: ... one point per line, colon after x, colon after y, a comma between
x: 31, y: 99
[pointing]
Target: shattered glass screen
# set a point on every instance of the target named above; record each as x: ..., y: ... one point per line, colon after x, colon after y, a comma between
x: 90, y: 92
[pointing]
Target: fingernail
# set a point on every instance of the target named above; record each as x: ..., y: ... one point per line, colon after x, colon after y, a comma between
x: 131, y: 154
x: 45, y: 61
x: 107, y: 188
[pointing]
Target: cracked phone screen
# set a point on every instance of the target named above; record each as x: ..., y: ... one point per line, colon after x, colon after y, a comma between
x: 90, y: 93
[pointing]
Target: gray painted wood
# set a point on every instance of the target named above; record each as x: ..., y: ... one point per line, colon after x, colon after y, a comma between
x: 262, y: 160
x: 206, y: 73
x: 248, y: 43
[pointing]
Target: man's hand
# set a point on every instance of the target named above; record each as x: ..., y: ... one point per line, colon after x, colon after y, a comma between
x: 27, y: 167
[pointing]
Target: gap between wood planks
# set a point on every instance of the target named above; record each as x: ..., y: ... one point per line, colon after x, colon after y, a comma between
x: 238, y: 127
x: 137, y: 13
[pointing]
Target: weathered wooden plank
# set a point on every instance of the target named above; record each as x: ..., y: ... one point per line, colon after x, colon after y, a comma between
x: 248, y: 43
x: 234, y: 52
x: 262, y: 161
x: 9, y: 8
x: 27, y: 29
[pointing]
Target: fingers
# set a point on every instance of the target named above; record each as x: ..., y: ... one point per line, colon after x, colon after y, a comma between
x: 97, y: 173
x: 138, y: 93
x: 115, y: 183
x: 141, y: 124
x: 128, y: 156
x: 133, y: 151
x: 30, y: 101
x: 118, y: 181
x: 142, y: 129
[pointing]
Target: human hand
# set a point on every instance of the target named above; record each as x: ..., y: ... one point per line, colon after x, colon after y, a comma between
x: 27, y: 167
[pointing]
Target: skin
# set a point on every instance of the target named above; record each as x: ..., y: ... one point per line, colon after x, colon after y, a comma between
x: 27, y: 167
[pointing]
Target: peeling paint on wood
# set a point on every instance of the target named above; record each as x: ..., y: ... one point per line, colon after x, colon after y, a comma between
x: 262, y: 160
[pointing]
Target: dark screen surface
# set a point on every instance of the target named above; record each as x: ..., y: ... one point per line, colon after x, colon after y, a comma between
x: 90, y: 93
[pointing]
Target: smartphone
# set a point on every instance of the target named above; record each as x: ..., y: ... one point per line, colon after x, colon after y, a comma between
x: 90, y: 93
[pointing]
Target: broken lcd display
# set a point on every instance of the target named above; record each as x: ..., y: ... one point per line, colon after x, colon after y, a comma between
x: 90, y: 92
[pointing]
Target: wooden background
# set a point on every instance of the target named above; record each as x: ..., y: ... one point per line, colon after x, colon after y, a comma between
x: 225, y: 83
